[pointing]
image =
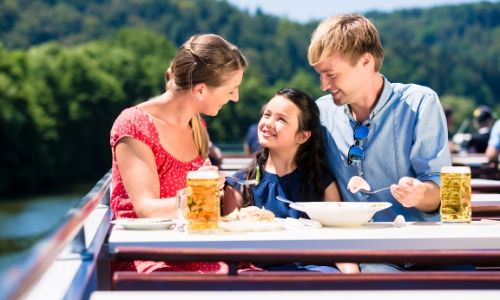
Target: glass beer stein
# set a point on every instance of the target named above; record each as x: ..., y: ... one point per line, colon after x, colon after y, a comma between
x: 202, y: 211
x: 455, y: 194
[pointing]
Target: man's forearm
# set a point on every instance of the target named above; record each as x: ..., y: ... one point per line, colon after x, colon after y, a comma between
x: 492, y: 154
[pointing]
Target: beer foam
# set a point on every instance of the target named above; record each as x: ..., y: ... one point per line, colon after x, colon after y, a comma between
x: 203, y: 174
x: 454, y: 169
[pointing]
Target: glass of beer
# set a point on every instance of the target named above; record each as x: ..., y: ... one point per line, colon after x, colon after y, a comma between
x: 202, y: 211
x: 455, y: 194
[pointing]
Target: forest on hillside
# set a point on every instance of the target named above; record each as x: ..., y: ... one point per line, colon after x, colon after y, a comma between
x: 67, y: 68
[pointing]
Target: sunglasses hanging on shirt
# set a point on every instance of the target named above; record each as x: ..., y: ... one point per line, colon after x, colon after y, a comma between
x: 356, y: 152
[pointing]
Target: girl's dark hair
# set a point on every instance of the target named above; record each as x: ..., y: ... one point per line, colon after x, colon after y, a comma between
x: 309, y: 157
x: 205, y: 58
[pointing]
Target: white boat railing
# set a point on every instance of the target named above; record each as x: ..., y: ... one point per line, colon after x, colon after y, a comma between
x: 63, y: 265
x: 68, y: 263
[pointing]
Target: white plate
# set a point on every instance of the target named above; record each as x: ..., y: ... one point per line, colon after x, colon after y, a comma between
x: 241, y: 225
x: 343, y: 214
x: 145, y: 223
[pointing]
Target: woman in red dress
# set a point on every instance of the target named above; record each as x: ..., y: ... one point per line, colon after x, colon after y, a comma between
x: 155, y: 143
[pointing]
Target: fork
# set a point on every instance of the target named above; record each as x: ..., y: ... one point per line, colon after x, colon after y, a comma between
x: 243, y: 181
x: 283, y: 199
x: 373, y: 192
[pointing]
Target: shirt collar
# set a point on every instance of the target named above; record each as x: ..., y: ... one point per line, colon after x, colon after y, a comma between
x: 384, y: 98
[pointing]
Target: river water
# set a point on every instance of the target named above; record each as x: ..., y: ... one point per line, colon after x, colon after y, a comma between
x: 23, y: 222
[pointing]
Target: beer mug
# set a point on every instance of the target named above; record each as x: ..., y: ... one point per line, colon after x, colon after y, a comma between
x: 202, y: 207
x: 455, y: 194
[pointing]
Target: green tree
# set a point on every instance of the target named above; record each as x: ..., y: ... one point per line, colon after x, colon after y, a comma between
x: 462, y: 108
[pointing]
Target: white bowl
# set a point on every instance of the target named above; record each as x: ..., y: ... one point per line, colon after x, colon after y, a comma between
x: 345, y: 214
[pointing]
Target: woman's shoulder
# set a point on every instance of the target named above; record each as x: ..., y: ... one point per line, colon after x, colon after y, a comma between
x: 130, y: 115
x: 133, y: 122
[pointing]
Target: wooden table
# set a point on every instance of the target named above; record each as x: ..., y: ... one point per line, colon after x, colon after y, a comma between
x: 485, y: 206
x: 471, y: 160
x: 235, y: 163
x: 429, y: 242
x: 479, y: 185
x: 299, y: 295
x: 476, y: 243
x: 479, y: 165
x: 372, y: 236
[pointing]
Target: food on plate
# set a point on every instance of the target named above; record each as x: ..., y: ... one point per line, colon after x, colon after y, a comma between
x: 249, y: 219
x: 357, y: 183
x: 250, y: 213
x: 253, y: 213
x: 399, y: 221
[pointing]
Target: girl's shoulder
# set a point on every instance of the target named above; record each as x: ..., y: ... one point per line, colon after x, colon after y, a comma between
x: 294, y: 177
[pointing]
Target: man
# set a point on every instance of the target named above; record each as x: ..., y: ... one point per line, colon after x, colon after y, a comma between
x: 390, y: 134
x: 494, y: 143
x: 483, y: 122
x: 448, y: 113
x: 251, y: 144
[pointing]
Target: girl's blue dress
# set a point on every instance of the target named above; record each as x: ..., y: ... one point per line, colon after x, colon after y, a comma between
x: 288, y: 186
x: 271, y: 185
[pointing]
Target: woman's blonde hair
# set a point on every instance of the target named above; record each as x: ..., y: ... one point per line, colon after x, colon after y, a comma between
x: 351, y: 35
x: 208, y: 59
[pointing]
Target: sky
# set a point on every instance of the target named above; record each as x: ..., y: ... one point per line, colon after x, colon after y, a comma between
x: 306, y: 10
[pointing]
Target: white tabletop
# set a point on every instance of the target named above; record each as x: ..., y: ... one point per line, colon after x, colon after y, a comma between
x: 300, y: 295
x: 469, y: 160
x: 374, y: 236
x: 475, y: 198
x: 235, y: 162
x: 484, y: 182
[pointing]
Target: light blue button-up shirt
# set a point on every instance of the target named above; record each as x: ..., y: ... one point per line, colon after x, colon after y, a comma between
x: 494, y: 140
x: 407, y: 137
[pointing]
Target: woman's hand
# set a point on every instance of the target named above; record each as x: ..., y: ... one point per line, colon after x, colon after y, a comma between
x: 207, y: 165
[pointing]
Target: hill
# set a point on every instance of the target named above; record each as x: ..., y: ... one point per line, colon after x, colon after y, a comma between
x: 67, y: 68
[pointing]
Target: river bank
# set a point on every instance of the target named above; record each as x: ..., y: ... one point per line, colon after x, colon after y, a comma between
x: 25, y: 221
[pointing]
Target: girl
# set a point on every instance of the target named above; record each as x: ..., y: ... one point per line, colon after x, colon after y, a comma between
x: 289, y: 163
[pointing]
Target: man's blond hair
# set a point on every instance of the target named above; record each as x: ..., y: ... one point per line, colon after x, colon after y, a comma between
x: 350, y: 35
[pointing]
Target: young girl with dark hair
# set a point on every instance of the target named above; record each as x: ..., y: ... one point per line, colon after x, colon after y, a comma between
x: 290, y: 163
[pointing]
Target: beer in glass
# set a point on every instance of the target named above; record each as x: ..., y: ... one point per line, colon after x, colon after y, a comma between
x: 455, y: 194
x: 203, y: 200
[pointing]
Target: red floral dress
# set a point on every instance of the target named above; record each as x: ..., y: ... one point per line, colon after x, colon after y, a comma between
x: 136, y: 123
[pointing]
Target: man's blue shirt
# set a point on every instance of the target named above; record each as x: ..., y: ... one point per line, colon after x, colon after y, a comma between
x: 494, y: 140
x: 407, y: 137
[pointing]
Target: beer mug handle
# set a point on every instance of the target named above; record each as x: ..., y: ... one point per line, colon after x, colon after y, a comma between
x: 182, y: 204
